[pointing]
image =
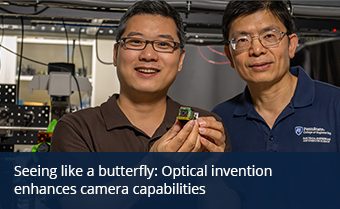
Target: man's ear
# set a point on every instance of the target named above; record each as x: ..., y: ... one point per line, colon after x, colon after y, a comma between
x: 227, y: 53
x: 293, y: 42
x: 181, y: 59
x: 115, y: 54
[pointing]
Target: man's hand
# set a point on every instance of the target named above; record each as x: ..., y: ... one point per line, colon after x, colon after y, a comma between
x: 212, y: 134
x: 180, y: 139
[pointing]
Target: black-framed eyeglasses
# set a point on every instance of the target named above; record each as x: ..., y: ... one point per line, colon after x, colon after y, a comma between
x: 267, y: 38
x: 157, y: 45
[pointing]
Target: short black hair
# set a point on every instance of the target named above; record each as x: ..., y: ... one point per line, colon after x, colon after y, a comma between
x: 152, y: 8
x: 238, y: 8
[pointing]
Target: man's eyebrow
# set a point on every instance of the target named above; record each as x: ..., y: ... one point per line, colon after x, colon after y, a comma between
x: 165, y: 36
x: 240, y: 33
x: 267, y: 28
x: 134, y: 34
x: 271, y: 27
x: 160, y: 36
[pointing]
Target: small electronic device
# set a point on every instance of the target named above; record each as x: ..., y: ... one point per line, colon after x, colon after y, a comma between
x: 186, y: 113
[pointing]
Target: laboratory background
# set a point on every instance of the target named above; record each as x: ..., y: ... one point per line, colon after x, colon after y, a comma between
x: 56, y: 57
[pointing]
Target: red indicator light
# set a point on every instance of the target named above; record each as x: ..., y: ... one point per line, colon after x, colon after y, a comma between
x: 334, y: 30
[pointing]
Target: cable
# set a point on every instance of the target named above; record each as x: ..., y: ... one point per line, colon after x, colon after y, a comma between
x: 73, y: 47
x: 3, y: 29
x: 36, y: 13
x: 67, y: 50
x: 81, y: 103
x: 20, y: 62
x: 2, y: 34
x: 26, y: 58
x: 81, y: 51
x: 211, y: 61
x: 217, y: 52
x: 105, y: 63
x: 82, y: 59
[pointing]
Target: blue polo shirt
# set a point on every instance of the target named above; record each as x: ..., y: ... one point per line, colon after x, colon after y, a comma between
x: 309, y: 123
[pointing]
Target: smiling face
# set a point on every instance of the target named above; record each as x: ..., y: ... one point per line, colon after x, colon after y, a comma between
x: 148, y: 71
x: 261, y: 64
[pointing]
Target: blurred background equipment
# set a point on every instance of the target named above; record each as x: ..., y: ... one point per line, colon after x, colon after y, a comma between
x: 60, y: 83
x: 19, y: 124
x: 66, y: 48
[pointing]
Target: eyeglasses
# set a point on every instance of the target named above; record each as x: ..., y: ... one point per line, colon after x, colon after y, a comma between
x: 157, y: 45
x: 266, y: 38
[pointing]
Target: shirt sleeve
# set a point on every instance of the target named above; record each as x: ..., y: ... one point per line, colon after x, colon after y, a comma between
x: 67, y: 138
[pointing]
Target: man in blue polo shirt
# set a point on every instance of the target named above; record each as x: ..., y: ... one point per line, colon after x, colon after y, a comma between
x: 281, y: 109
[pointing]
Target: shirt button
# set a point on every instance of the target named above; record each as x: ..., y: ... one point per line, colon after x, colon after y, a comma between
x: 271, y: 138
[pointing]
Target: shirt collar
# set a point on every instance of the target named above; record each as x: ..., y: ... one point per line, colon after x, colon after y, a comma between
x: 303, y: 95
x: 305, y: 88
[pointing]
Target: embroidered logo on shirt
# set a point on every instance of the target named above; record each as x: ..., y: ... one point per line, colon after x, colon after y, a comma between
x: 313, y: 134
x: 298, y: 130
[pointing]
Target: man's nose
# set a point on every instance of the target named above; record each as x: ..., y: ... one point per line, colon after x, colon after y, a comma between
x: 256, y: 47
x: 148, y: 53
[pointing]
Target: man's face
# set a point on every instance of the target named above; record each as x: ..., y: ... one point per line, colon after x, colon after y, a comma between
x: 148, y: 71
x: 259, y: 64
